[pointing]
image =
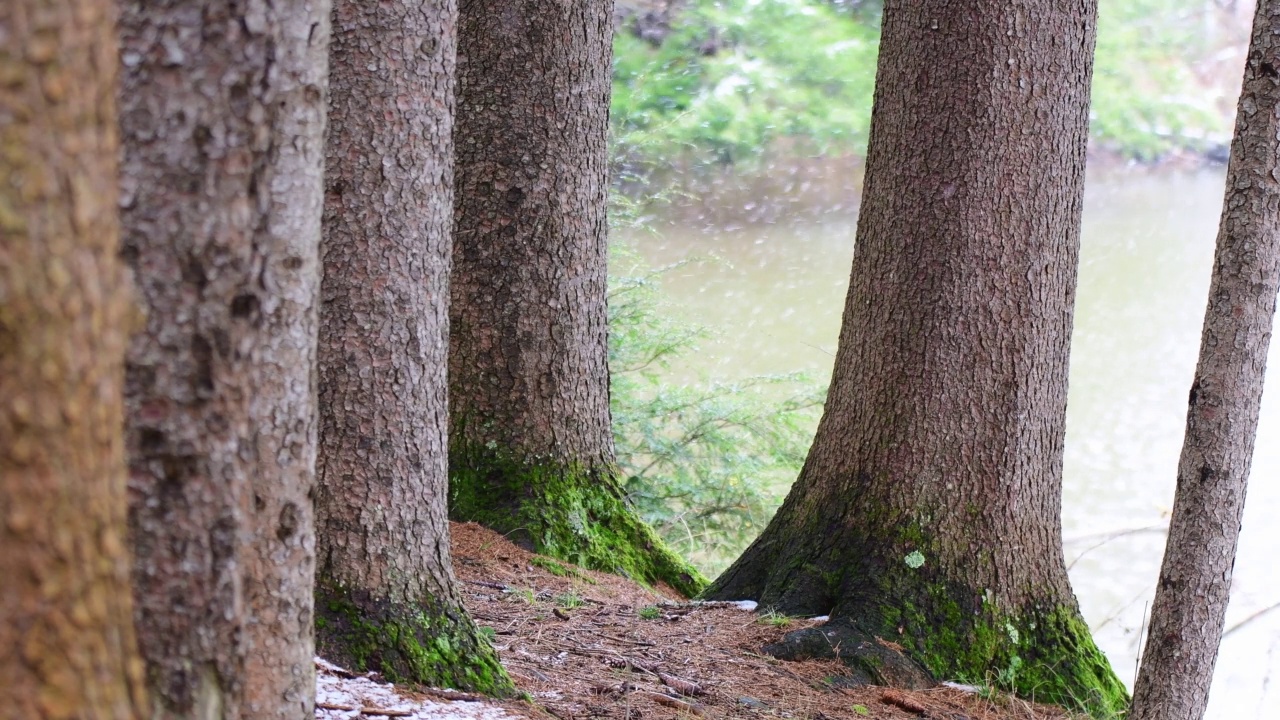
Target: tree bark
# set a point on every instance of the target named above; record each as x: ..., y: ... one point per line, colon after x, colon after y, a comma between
x: 386, y: 594
x: 928, y: 510
x: 1222, y: 417
x: 531, y: 449
x: 222, y: 113
x: 67, y: 630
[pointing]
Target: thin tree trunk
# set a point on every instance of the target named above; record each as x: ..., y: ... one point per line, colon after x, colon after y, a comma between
x: 928, y: 510
x: 531, y: 449
x: 67, y: 646
x: 1222, y: 416
x: 386, y: 595
x: 222, y: 112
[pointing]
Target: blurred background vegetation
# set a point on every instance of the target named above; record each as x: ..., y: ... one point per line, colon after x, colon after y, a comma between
x: 727, y: 81
x: 765, y: 96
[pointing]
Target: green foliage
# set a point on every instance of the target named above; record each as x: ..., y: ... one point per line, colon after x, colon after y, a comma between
x: 735, y: 78
x: 773, y: 618
x: 524, y: 595
x: 1146, y: 98
x: 705, y: 464
x: 569, y: 600
x: 650, y: 612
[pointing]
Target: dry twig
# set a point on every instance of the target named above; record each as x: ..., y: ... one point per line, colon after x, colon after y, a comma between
x: 364, y: 710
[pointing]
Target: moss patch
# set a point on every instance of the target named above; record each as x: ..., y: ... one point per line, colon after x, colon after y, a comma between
x: 1042, y: 653
x: 566, y: 512
x: 432, y: 645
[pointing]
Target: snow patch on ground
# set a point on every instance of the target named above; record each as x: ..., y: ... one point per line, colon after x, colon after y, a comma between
x: 349, y: 696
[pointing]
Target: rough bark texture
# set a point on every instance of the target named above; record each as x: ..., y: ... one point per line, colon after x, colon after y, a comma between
x: 66, y: 630
x: 385, y: 597
x: 222, y: 113
x: 531, y: 450
x: 1226, y: 395
x: 928, y: 510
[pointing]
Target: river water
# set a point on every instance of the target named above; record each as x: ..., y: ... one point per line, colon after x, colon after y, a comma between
x: 775, y: 292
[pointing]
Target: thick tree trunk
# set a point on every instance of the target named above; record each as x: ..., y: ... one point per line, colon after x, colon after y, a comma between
x: 531, y: 450
x: 385, y: 589
x: 1226, y: 395
x: 66, y: 630
x: 928, y: 510
x: 222, y: 111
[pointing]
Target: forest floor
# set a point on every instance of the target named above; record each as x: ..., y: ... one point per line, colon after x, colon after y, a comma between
x: 585, y: 644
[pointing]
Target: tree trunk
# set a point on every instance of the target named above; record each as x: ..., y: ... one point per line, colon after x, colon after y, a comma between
x: 66, y: 629
x: 928, y: 511
x: 223, y: 118
x: 531, y: 450
x: 386, y: 597
x: 1226, y: 395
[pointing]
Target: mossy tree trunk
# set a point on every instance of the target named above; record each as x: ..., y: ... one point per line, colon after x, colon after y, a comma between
x: 386, y: 597
x: 928, y: 510
x: 531, y: 450
x: 222, y: 114
x: 67, y: 645
x: 1226, y: 396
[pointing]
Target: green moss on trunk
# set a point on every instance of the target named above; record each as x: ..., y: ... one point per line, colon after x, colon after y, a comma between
x: 896, y: 585
x: 1046, y: 655
x: 566, y: 512
x: 1043, y: 652
x: 430, y: 645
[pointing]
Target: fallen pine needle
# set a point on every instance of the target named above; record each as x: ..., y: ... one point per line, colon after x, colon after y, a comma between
x: 670, y: 702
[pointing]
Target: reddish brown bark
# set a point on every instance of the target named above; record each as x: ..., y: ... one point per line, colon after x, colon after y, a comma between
x: 67, y: 647
x: 386, y: 595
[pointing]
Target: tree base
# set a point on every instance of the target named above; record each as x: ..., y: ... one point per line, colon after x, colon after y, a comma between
x: 871, y: 660
x: 1045, y: 656
x: 572, y: 514
x: 1040, y: 650
x: 432, y: 646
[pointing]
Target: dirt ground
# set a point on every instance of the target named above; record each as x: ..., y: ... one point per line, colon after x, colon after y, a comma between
x: 585, y: 644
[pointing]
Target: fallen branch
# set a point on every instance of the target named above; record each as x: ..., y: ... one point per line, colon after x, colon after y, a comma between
x: 492, y: 585
x: 641, y: 643
x: 1250, y: 619
x: 1108, y: 537
x: 670, y: 702
x: 365, y: 710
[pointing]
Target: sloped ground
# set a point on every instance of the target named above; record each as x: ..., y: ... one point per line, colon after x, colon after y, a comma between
x: 586, y: 645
